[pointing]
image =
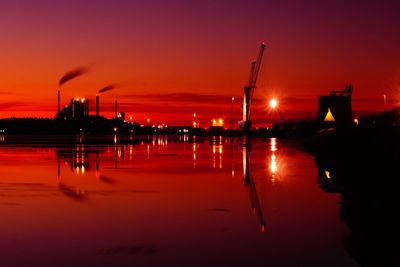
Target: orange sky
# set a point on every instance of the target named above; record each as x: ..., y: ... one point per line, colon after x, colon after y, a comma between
x: 173, y: 59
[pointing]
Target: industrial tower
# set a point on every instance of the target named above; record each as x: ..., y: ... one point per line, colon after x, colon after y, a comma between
x: 245, y: 124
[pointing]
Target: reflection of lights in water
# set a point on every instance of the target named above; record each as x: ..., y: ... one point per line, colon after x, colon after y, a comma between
x: 148, y: 151
x: 130, y: 152
x: 2, y: 139
x: 217, y: 148
x: 244, y: 161
x: 194, y: 155
x: 119, y: 152
x: 273, y: 144
x: 273, y: 166
x: 233, y: 172
x: 161, y: 142
x: 115, y: 139
x: 328, y: 174
x: 83, y: 169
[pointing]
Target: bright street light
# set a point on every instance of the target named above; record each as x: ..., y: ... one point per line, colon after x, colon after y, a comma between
x: 273, y: 103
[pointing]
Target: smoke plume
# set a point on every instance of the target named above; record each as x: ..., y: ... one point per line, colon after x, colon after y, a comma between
x: 73, y: 74
x: 106, y: 89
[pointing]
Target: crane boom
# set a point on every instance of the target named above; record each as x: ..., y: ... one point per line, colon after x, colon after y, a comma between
x: 257, y: 66
x: 249, y: 89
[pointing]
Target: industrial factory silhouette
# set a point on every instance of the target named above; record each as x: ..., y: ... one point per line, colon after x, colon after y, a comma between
x: 334, y: 112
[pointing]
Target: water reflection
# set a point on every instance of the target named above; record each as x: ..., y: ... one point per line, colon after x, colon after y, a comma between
x: 273, y: 166
x: 217, y: 143
x: 148, y: 202
x: 368, y: 202
x: 77, y: 159
x: 251, y: 185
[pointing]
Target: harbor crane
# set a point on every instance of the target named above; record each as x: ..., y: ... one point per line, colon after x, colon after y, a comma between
x: 245, y: 124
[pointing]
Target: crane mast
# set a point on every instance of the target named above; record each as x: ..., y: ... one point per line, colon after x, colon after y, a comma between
x: 249, y: 89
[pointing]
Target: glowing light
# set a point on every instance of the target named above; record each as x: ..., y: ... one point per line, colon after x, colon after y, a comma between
x: 148, y: 120
x: 115, y: 129
x: 218, y: 122
x: 194, y: 115
x: 273, y: 145
x: 329, y: 116
x: 130, y: 118
x: 83, y: 100
x: 273, y: 103
x: 328, y: 174
x: 273, y: 166
x: 356, y: 121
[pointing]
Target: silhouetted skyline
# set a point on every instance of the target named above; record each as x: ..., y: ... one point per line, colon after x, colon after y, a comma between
x: 175, y: 58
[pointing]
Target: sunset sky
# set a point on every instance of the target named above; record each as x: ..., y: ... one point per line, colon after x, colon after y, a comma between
x: 172, y: 58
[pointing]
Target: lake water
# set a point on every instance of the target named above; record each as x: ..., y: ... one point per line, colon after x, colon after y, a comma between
x: 165, y: 201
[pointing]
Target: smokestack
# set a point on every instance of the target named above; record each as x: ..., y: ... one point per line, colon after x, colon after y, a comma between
x: 97, y: 106
x: 58, y: 107
x: 116, y: 109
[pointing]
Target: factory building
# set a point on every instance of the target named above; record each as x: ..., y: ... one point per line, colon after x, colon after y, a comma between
x: 78, y: 108
x: 335, y: 108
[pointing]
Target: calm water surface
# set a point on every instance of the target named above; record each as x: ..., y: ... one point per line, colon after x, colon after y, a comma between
x: 167, y: 202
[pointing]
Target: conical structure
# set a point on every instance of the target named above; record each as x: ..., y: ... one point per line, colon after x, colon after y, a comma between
x: 329, y: 116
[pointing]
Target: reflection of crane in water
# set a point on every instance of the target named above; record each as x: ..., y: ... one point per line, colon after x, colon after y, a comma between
x: 251, y: 185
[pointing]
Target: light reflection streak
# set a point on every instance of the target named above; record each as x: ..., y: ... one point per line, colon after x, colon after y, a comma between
x: 273, y: 165
x: 194, y: 155
x: 217, y: 149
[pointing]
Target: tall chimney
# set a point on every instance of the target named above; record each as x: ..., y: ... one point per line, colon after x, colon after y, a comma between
x: 58, y: 106
x: 116, y: 109
x: 97, y: 106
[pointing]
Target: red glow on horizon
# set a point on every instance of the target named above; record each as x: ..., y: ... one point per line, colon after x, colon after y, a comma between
x: 304, y: 58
